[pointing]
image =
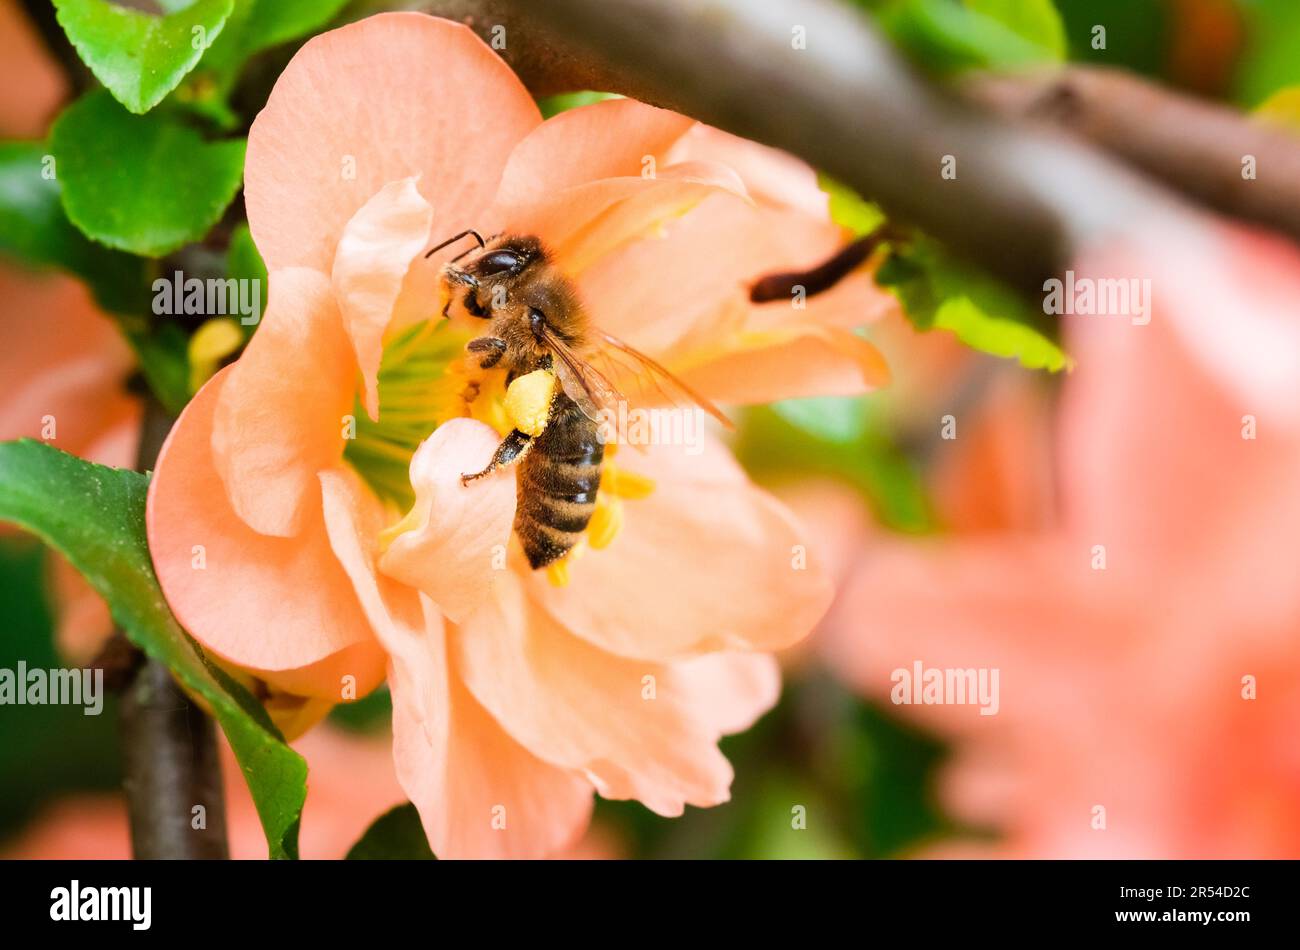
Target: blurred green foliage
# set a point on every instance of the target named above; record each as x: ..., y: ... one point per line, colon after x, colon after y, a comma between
x: 94, y: 516
x: 45, y: 751
x: 1136, y: 32
x: 940, y: 292
x: 1272, y: 57
x: 945, y: 36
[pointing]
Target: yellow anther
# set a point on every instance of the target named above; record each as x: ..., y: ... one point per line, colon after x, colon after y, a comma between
x: 528, y: 401
x: 621, y: 483
x: 606, y: 522
x: 212, y: 343
x: 557, y: 572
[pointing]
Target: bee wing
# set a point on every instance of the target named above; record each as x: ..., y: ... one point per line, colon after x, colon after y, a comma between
x: 649, y: 382
x: 583, y: 383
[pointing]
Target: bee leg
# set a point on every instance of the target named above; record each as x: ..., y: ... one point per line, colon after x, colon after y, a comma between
x: 513, y: 448
x: 492, y: 347
x: 454, y: 275
x: 472, y: 306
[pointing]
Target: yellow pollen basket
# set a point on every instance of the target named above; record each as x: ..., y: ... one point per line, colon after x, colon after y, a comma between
x: 526, y: 405
x: 528, y: 401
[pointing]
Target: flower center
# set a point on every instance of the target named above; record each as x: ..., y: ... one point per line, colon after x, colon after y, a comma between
x: 425, y: 378
x: 418, y: 377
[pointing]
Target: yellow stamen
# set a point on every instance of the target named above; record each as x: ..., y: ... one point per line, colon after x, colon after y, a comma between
x: 606, y: 522
x: 211, y: 344
x: 557, y: 572
x: 621, y: 483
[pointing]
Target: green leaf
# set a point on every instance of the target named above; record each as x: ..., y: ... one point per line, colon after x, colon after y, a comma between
x: 1004, y: 336
x: 564, y: 101
x: 35, y: 231
x: 945, y: 35
x: 848, y: 209
x: 144, y: 184
x: 371, y: 713
x: 254, y: 26
x: 94, y: 516
x: 162, y: 349
x: 939, y: 292
x: 137, y: 56
x: 839, y: 419
x: 394, y: 835
x: 1035, y: 21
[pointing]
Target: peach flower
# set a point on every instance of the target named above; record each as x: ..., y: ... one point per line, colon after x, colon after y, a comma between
x: 1163, y: 683
x: 323, y: 562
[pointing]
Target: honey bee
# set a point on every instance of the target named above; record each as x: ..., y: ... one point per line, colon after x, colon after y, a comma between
x: 537, y: 324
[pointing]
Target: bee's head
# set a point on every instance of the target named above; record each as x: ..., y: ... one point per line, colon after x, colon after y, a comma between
x: 505, y: 258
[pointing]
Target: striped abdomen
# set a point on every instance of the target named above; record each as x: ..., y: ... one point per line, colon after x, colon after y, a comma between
x: 558, y: 480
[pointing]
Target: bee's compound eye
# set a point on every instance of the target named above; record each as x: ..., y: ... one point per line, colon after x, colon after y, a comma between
x: 498, y: 262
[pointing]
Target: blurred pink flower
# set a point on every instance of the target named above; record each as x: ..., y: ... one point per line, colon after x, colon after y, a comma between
x: 32, y: 87
x: 65, y: 366
x: 1127, y: 687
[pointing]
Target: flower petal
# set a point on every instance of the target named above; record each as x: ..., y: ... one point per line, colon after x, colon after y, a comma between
x: 480, y: 794
x: 732, y: 690
x: 280, y: 420
x: 794, y: 362
x: 645, y: 596
x: 609, y: 139
x: 771, y: 177
x: 457, y: 547
x: 582, y: 224
x: 388, y: 97
x: 630, y: 726
x: 280, y: 607
x: 699, y: 320
x: 373, y: 256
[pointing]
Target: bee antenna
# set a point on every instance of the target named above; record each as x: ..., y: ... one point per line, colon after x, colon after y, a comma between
x: 452, y: 240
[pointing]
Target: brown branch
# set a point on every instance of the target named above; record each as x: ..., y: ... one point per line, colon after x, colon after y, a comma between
x: 169, y: 745
x: 1023, y: 203
x: 545, y: 62
x: 1195, y: 146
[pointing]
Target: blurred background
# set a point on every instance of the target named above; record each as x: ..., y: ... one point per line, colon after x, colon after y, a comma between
x: 1120, y: 688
